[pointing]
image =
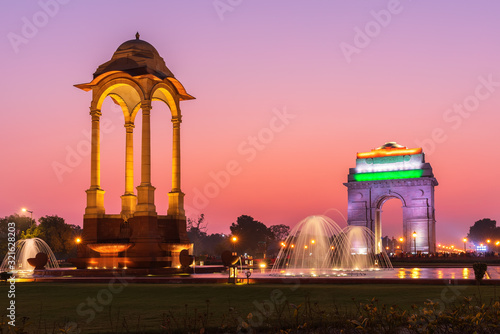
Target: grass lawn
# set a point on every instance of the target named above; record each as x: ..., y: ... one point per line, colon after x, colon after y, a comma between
x: 99, y: 308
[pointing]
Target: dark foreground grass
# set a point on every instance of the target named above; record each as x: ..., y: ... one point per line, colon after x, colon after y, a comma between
x: 164, y: 308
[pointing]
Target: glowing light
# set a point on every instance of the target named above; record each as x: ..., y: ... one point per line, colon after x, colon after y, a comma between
x: 465, y: 240
x: 401, y: 239
x: 234, y: 239
x: 414, y: 234
x: 465, y: 273
x: 78, y: 240
x: 497, y: 243
x: 385, y: 152
x: 262, y: 265
x: 488, y: 241
x: 401, y: 162
x: 305, y: 246
x: 392, y: 175
x: 283, y: 244
x: 292, y: 246
x: 313, y: 241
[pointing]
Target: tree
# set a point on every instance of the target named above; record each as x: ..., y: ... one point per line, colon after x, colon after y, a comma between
x: 483, y: 230
x: 56, y: 233
x: 22, y: 223
x: 196, y: 231
x: 250, y: 234
x: 280, y: 232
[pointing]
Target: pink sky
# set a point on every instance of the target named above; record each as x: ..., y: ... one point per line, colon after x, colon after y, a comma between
x: 244, y: 65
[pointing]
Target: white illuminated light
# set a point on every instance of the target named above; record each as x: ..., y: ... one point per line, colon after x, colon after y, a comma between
x: 363, y: 166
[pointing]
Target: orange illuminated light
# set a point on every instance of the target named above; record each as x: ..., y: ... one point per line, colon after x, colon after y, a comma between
x: 387, y: 152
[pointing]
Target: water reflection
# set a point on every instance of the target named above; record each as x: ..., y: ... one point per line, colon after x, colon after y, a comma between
x: 439, y: 273
x: 401, y: 273
x: 415, y: 273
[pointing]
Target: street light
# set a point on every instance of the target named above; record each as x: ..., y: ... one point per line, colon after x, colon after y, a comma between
x: 414, y: 234
x: 78, y: 240
x: 31, y: 214
x: 401, y: 239
x: 234, y: 239
x: 465, y: 245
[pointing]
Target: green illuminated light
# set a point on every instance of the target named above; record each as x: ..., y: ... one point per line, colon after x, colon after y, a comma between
x: 393, y: 175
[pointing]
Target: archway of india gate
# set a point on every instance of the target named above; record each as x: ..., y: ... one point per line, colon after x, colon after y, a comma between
x: 136, y: 237
x: 394, y: 171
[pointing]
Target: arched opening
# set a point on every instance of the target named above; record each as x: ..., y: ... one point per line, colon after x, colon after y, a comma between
x: 161, y: 154
x: 391, y: 224
x: 112, y: 155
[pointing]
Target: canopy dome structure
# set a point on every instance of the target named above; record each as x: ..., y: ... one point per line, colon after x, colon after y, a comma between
x: 139, y: 236
x: 136, y: 57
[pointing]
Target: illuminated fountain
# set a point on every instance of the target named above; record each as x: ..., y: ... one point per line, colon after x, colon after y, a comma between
x: 317, y: 246
x: 109, y: 252
x: 28, y: 249
x: 354, y: 250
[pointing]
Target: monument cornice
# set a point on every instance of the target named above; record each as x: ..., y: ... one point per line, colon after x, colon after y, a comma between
x: 424, y: 181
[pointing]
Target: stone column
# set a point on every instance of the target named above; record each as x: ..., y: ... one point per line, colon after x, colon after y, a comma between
x: 129, y: 200
x: 145, y: 192
x: 176, y: 197
x: 95, y: 195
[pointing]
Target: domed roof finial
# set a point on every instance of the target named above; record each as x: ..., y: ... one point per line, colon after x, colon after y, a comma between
x: 137, y: 35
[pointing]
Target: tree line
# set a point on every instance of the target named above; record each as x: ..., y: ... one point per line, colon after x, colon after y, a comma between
x: 248, y: 236
x: 52, y: 229
x: 252, y: 237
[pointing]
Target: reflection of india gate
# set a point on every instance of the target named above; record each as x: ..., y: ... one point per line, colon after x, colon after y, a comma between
x: 135, y: 76
x: 394, y: 171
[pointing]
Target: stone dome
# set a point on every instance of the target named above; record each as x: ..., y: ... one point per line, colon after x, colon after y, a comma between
x: 136, y: 57
x: 137, y: 44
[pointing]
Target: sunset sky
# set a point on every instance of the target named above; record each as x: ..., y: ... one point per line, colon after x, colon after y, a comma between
x: 348, y: 75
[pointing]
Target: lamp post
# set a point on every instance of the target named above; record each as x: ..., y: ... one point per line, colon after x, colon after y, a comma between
x: 465, y: 245
x: 31, y: 215
x: 401, y: 239
x: 414, y: 234
x: 233, y: 240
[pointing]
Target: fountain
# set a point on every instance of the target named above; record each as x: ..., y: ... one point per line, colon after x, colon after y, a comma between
x: 355, y: 251
x: 317, y: 246
x: 28, y: 249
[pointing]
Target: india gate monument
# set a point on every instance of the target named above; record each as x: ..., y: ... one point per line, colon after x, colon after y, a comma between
x: 136, y: 237
x: 394, y: 171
